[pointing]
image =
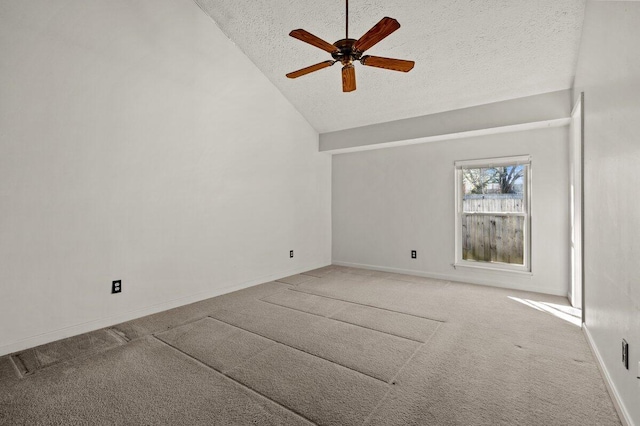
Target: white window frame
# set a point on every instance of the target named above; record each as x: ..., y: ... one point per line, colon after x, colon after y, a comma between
x: 459, y: 192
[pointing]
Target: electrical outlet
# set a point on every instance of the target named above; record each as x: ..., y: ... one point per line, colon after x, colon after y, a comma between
x: 414, y: 254
x: 116, y: 286
x: 290, y: 253
x: 625, y: 354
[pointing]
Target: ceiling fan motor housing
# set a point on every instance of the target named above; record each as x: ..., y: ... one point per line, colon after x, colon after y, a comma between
x: 346, y: 54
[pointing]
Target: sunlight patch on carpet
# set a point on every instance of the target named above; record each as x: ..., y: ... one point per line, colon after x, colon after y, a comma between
x: 567, y: 313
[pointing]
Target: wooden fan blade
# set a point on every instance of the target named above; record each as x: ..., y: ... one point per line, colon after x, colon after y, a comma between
x: 378, y: 32
x: 387, y: 63
x: 312, y: 68
x: 348, y: 78
x: 307, y: 37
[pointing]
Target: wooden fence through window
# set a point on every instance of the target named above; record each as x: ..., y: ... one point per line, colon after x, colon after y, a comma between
x: 493, y: 237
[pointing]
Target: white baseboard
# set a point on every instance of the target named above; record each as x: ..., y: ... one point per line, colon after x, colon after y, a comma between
x: 97, y: 324
x: 625, y: 418
x: 457, y: 278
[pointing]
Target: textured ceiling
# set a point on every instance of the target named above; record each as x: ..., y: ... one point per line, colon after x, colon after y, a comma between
x: 467, y: 52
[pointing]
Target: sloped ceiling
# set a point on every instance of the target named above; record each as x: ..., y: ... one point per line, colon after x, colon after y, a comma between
x: 467, y: 52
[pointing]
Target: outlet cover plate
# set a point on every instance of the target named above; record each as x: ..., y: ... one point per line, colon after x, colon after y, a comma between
x: 116, y: 286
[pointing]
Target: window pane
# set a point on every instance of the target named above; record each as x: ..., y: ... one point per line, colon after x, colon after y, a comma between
x: 494, y: 189
x: 493, y: 238
x: 494, y: 213
x: 475, y: 180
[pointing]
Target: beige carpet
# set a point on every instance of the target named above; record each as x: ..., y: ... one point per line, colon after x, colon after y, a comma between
x: 333, y: 346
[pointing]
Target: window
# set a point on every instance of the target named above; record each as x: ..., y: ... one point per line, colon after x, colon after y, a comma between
x: 493, y: 213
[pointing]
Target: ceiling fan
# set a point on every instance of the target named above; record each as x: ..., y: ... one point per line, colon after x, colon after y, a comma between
x: 348, y: 50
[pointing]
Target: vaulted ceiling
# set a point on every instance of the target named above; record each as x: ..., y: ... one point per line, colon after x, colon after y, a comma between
x: 467, y: 52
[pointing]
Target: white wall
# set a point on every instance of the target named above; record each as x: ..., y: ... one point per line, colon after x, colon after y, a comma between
x: 138, y: 143
x: 390, y: 201
x: 609, y: 74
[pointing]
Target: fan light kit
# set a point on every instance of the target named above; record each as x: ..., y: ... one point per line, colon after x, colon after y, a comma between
x: 348, y: 50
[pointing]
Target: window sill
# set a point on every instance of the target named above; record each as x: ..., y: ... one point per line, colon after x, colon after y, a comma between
x: 491, y: 268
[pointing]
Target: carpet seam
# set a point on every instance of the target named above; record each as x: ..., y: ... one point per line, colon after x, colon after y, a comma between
x: 289, y: 284
x: 303, y: 351
x: 180, y: 325
x: 388, y: 278
x: 364, y: 304
x: 309, y: 275
x: 16, y: 368
x: 235, y: 366
x: 251, y: 357
x: 379, y: 331
x: 415, y: 352
x: 316, y: 276
x: 117, y: 336
x: 366, y: 420
x: 234, y: 380
x: 128, y: 339
x: 40, y: 368
x: 273, y: 343
x: 396, y: 279
x: 342, y: 321
x: 116, y: 329
x: 295, y: 285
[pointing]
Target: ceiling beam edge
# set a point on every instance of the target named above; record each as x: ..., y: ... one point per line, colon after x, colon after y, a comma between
x: 544, y: 110
x: 559, y: 122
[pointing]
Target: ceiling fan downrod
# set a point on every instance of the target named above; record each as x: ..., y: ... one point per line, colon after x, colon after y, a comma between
x: 347, y: 20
